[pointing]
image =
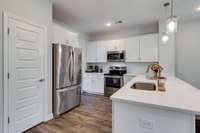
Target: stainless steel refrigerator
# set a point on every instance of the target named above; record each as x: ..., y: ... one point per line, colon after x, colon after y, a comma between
x: 66, y: 78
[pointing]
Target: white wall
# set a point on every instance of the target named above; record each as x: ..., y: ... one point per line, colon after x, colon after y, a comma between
x: 83, y: 40
x: 166, y: 52
x: 127, y: 32
x: 39, y: 11
x: 188, y: 51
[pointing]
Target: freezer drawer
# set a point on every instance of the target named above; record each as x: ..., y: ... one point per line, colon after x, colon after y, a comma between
x: 66, y: 99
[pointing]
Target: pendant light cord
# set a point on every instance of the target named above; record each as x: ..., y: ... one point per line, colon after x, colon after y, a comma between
x: 172, y: 8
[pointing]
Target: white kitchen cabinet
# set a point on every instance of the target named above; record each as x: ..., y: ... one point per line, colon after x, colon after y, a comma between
x: 115, y: 45
x: 64, y: 36
x: 138, y: 49
x: 120, y: 45
x: 98, y: 84
x: 101, y: 52
x: 86, y: 84
x: 91, y: 55
x: 142, y: 48
x: 132, y: 47
x: 149, y: 48
x: 93, y: 83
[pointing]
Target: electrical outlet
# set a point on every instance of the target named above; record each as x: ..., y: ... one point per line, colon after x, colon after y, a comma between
x: 147, y: 124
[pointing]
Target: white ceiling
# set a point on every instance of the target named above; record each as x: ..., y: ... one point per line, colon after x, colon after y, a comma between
x: 90, y: 16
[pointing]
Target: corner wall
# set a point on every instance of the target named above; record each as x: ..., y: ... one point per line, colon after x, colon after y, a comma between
x: 166, y: 52
x: 188, y: 51
x: 39, y: 11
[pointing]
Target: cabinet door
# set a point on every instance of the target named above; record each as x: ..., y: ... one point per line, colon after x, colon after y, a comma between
x: 119, y: 45
x: 91, y: 52
x: 149, y: 48
x: 86, y: 84
x: 99, y: 84
x: 115, y: 45
x: 132, y: 49
x: 102, y: 51
x: 110, y: 45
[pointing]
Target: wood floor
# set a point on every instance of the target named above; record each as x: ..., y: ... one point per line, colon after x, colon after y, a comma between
x: 94, y: 115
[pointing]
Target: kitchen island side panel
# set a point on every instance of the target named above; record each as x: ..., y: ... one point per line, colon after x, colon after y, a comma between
x: 135, y: 118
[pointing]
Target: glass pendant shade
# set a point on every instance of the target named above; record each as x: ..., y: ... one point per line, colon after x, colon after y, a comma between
x: 172, y: 25
x: 165, y: 38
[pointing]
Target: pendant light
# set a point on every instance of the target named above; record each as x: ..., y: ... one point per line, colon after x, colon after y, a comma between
x: 165, y: 36
x: 172, y: 21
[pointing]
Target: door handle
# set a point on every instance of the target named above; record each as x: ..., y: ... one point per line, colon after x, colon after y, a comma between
x: 41, y: 80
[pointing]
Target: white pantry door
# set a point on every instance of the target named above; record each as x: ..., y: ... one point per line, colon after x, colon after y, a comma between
x: 26, y: 69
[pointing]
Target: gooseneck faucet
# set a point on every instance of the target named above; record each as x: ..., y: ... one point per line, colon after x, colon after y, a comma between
x: 148, y: 68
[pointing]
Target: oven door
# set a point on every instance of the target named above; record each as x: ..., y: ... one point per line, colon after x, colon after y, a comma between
x: 114, y: 82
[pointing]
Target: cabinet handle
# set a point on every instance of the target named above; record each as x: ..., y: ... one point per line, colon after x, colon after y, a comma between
x: 41, y: 80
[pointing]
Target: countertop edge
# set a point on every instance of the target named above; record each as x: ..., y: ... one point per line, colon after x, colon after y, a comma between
x: 162, y: 107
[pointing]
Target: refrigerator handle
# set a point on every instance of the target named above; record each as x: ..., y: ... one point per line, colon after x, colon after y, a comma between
x: 73, y: 65
x: 70, y: 66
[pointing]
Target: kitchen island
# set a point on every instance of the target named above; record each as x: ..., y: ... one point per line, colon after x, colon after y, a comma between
x: 140, y: 111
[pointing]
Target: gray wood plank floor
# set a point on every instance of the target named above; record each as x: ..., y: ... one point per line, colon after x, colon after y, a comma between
x: 94, y: 115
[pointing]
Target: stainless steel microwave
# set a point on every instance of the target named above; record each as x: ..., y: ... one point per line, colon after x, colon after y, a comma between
x: 116, y: 56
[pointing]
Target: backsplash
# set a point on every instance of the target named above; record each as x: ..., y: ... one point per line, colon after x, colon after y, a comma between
x: 132, y: 68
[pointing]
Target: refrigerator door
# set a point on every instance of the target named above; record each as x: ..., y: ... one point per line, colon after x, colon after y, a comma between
x: 62, y: 66
x: 67, y: 99
x: 76, y: 66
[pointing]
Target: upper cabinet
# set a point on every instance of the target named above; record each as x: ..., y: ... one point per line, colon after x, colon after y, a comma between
x: 142, y: 48
x: 138, y: 49
x: 149, y: 48
x: 132, y: 46
x: 64, y: 36
x: 102, y: 51
x: 114, y: 45
x: 91, y: 55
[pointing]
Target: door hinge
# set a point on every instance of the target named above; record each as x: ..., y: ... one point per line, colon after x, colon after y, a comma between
x: 8, y: 30
x: 8, y: 75
x: 8, y: 120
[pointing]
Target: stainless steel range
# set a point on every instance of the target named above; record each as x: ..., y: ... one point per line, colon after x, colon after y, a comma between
x: 114, y: 80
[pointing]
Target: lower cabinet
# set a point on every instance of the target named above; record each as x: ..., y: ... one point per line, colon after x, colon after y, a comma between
x: 93, y: 83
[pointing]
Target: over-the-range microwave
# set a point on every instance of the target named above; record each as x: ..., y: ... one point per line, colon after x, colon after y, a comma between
x: 116, y: 56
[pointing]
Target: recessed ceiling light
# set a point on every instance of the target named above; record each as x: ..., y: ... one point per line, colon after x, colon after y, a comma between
x: 108, y: 24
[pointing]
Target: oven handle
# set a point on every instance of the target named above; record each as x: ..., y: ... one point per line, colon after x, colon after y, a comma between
x: 109, y: 76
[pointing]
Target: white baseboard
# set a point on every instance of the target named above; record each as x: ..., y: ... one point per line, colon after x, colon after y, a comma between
x: 95, y: 93
x: 50, y: 116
